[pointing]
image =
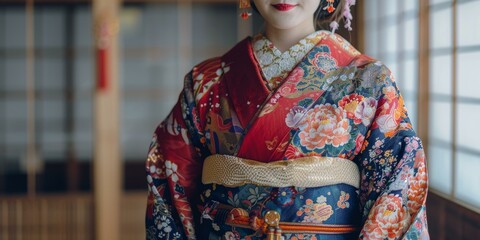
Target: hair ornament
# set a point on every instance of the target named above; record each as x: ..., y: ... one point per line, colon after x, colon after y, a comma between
x: 347, y: 15
x: 245, y: 5
x: 330, y: 8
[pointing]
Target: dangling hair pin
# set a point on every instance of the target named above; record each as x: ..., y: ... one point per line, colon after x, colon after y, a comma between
x: 245, y: 5
x: 347, y: 15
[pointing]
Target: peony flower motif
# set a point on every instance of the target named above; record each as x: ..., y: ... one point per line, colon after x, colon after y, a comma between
x: 349, y: 103
x: 324, y: 62
x: 171, y: 170
x: 387, y: 219
x: 324, y: 125
x: 417, y: 189
x: 295, y: 116
x: 365, y: 111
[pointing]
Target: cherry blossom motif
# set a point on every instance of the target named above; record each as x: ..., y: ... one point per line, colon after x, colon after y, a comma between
x: 324, y: 125
x: 156, y: 172
x: 388, y: 219
x: 343, y: 200
x: 365, y: 111
x: 171, y: 170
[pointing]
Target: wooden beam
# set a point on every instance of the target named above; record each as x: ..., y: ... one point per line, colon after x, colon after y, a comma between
x: 32, y: 159
x: 107, y: 165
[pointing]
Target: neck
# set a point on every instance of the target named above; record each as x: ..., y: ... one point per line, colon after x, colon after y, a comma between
x: 283, y: 39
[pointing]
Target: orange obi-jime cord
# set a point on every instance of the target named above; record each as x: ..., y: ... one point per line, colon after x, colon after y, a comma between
x: 313, y: 171
x: 273, y: 228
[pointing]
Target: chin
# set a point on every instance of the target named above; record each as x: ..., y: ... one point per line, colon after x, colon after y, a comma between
x: 284, y: 23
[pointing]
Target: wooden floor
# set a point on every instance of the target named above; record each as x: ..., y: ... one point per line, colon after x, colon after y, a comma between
x: 65, y: 217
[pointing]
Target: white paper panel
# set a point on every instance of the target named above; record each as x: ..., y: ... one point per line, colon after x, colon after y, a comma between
x: 468, y: 23
x: 467, y: 185
x: 441, y: 28
x: 440, y: 168
x: 440, y: 121
x: 441, y: 74
x: 468, y: 118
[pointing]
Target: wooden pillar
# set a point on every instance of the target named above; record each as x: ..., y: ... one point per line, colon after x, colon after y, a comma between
x: 31, y: 159
x: 423, y: 71
x: 359, y: 22
x: 107, y: 161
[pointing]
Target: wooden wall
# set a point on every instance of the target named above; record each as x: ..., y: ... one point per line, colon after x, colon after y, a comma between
x: 52, y: 217
x: 449, y: 220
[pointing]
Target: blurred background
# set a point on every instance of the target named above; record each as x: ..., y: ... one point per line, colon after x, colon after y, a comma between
x: 84, y: 83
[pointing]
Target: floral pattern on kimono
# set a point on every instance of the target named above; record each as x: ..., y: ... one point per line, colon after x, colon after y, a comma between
x: 335, y: 103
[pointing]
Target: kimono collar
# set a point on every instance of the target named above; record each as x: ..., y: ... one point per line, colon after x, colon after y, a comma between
x: 245, y: 83
x: 274, y: 64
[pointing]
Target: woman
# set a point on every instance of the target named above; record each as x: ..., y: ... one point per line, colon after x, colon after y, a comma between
x: 292, y: 134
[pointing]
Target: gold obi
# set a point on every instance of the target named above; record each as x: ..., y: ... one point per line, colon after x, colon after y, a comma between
x: 314, y: 171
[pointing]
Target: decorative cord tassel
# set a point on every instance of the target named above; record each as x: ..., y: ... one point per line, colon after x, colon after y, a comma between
x: 270, y: 234
x: 278, y: 233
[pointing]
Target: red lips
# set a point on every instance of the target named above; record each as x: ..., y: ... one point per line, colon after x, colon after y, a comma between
x: 283, y: 6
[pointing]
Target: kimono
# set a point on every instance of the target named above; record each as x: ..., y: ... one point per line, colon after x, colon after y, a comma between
x: 334, y: 103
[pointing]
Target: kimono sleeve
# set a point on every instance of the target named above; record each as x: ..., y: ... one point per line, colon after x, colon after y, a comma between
x: 173, y: 170
x: 392, y: 163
